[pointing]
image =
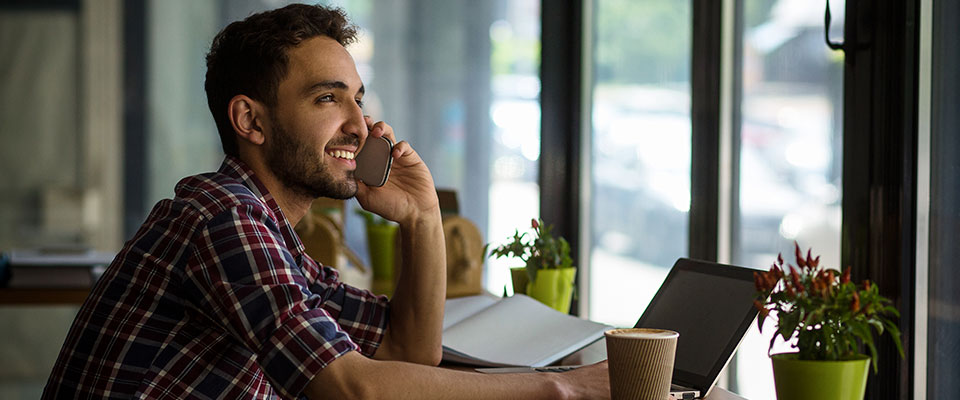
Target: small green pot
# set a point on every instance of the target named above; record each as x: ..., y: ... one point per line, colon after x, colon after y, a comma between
x: 553, y: 287
x: 823, y: 380
x: 381, y: 239
x: 520, y: 279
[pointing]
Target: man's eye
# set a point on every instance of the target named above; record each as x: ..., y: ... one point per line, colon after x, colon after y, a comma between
x: 325, y: 98
x: 360, y: 103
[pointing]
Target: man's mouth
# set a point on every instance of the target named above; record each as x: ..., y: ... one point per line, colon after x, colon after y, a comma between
x: 343, y: 154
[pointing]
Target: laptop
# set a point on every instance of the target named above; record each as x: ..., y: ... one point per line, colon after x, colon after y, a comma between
x: 711, y: 306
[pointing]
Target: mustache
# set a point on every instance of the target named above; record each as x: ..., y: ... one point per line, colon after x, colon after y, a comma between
x: 345, y: 141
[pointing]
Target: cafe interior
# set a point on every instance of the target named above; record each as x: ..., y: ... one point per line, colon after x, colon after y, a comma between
x: 642, y: 131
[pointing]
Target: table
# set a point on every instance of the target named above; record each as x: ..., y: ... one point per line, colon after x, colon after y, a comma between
x: 43, y: 296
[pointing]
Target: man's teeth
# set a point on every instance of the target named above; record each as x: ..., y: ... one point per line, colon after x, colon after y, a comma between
x: 341, y: 154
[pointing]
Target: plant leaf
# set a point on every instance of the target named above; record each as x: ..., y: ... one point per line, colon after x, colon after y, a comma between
x: 788, y: 325
x: 895, y: 333
x: 876, y: 325
x: 862, y: 332
x: 773, y: 339
x: 760, y: 319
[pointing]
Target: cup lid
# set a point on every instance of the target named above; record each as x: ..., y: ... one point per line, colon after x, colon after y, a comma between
x: 642, y: 333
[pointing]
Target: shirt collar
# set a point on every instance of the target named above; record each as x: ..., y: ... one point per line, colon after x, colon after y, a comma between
x: 237, y: 169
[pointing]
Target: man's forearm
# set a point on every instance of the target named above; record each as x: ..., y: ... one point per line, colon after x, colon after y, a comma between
x: 354, y: 377
x: 416, y: 310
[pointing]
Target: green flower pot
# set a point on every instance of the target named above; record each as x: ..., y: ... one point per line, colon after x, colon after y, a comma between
x: 553, y: 287
x: 381, y: 239
x: 520, y: 279
x: 823, y: 380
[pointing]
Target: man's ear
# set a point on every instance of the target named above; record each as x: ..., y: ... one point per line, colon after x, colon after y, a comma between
x: 246, y: 116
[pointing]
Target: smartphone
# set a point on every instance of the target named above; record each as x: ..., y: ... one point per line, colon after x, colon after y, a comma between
x: 374, y: 160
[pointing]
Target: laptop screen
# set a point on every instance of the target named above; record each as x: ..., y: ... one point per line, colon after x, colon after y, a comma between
x: 711, y: 306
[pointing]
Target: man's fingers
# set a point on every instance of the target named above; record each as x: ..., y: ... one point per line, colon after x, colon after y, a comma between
x: 402, y: 149
x: 383, y: 129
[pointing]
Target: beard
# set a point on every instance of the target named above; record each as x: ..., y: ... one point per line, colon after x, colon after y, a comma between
x: 301, y: 169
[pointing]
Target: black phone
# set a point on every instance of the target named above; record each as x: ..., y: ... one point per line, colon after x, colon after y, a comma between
x: 374, y: 160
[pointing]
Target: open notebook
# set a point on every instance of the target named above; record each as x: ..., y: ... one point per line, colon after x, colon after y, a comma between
x: 514, y: 331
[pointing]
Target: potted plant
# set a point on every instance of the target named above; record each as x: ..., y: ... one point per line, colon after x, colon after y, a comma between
x: 381, y: 239
x: 548, y: 265
x: 830, y: 317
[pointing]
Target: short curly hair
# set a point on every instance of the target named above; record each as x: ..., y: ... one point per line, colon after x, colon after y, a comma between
x: 249, y: 57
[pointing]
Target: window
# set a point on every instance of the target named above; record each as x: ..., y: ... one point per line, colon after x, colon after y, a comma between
x: 60, y: 121
x: 43, y: 192
x: 943, y: 334
x: 459, y: 81
x: 181, y: 138
x: 789, y: 153
x: 640, y: 153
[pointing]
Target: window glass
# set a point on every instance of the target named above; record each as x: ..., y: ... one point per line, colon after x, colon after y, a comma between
x: 943, y: 336
x: 640, y: 155
x: 181, y: 138
x: 460, y: 81
x: 44, y: 201
x: 790, y: 146
x: 514, y: 194
x: 43, y: 195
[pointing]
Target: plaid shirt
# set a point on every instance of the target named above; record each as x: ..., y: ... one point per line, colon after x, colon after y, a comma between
x: 215, y: 298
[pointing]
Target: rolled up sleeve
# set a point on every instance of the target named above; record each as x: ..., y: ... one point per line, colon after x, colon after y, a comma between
x: 360, y: 313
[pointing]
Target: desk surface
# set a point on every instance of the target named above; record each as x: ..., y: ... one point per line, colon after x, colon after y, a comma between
x: 719, y: 393
x: 43, y: 296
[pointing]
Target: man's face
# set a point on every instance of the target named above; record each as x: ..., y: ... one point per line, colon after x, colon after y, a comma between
x: 317, y: 124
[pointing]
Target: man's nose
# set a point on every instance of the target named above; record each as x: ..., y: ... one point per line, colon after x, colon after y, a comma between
x: 355, y: 124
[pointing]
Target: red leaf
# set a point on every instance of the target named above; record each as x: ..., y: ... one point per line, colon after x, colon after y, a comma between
x: 799, y: 255
x: 795, y: 277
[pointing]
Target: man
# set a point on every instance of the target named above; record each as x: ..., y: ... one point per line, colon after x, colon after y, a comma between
x: 214, y: 296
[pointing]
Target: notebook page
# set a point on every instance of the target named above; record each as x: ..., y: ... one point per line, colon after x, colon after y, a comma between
x: 460, y: 308
x: 520, y: 331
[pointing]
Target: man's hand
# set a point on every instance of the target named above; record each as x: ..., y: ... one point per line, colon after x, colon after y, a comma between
x: 589, y: 382
x: 409, y: 194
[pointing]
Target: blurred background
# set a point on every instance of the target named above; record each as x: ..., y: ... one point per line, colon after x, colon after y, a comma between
x: 102, y: 111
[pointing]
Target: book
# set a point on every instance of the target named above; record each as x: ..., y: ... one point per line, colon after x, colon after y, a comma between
x: 515, y: 331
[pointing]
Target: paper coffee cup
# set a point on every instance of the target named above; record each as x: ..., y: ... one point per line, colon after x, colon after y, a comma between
x: 640, y: 362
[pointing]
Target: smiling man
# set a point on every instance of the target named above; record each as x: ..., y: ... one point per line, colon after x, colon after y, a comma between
x: 214, y: 296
